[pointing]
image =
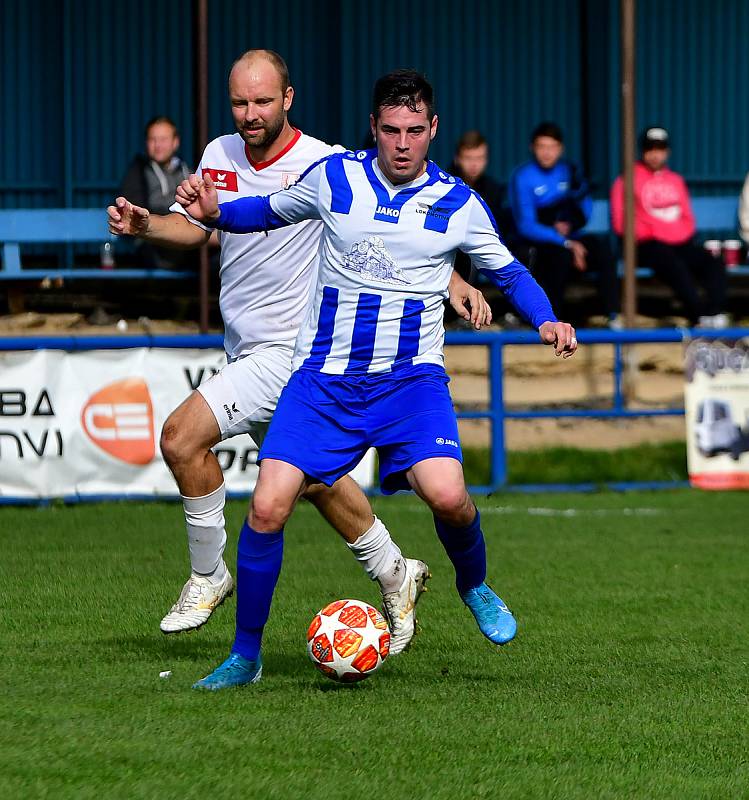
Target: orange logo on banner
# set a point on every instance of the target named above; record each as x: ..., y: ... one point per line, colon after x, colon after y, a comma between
x: 119, y: 419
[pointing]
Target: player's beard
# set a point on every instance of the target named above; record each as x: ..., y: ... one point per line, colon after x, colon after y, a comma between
x: 271, y: 131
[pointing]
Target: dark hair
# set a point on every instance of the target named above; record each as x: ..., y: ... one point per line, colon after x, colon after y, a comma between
x: 470, y: 140
x: 404, y: 87
x: 160, y: 120
x: 546, y: 128
x: 275, y: 59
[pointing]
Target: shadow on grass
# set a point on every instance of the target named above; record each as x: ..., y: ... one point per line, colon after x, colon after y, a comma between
x: 332, y: 686
x: 192, y: 648
x: 113, y: 648
x: 293, y: 663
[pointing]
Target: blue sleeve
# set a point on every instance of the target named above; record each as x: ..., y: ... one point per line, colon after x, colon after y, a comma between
x: 247, y: 215
x: 491, y: 257
x: 523, y: 203
x: 521, y: 289
x: 297, y: 203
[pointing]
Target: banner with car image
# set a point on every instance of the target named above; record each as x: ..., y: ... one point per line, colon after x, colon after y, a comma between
x: 717, y: 413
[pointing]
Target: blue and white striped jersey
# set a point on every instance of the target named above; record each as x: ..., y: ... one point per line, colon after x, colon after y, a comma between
x: 386, y: 257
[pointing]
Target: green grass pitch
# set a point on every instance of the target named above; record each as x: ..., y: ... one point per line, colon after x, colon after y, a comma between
x: 628, y: 677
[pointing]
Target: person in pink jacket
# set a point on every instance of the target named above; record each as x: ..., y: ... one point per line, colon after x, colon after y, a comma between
x: 664, y: 230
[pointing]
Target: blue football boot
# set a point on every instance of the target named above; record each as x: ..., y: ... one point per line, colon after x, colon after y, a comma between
x: 235, y: 671
x: 494, y: 619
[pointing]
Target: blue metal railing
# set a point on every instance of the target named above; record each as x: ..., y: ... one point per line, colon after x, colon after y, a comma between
x: 496, y: 412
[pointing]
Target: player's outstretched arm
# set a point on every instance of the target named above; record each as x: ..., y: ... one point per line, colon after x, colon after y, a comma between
x: 468, y: 302
x: 170, y: 230
x: 199, y: 198
x: 253, y: 214
x: 561, y: 335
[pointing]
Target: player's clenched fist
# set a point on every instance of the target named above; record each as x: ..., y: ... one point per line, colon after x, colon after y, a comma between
x: 561, y: 335
x: 198, y: 197
x: 127, y: 219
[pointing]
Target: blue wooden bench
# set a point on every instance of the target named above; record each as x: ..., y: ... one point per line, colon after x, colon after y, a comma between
x: 61, y: 226
x: 710, y: 213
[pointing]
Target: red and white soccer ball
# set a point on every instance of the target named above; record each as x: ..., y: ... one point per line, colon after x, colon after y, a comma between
x: 348, y: 640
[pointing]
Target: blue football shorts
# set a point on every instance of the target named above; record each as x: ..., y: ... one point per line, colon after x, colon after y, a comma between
x: 324, y: 424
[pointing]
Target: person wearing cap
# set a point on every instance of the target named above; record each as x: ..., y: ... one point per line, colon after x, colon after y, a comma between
x: 550, y: 203
x: 664, y: 231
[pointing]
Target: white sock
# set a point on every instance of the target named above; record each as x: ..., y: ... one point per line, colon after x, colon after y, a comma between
x: 381, y: 557
x: 206, y: 533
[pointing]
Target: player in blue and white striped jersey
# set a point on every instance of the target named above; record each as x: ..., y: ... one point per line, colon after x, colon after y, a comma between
x: 368, y: 359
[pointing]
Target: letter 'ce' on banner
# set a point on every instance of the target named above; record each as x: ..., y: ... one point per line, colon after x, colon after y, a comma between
x: 717, y: 410
x: 87, y: 424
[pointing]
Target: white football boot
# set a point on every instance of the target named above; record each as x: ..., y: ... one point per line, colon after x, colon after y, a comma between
x: 199, y: 599
x: 399, y: 607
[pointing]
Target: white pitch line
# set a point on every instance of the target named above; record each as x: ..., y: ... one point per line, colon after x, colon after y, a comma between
x: 538, y: 511
x: 596, y: 512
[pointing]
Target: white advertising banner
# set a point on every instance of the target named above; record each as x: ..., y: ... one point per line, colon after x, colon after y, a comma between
x: 717, y: 411
x: 87, y: 424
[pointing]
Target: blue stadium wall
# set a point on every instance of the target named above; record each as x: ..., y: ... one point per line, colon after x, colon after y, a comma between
x: 79, y: 79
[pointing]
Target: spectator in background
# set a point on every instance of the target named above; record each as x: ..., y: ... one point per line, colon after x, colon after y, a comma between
x: 469, y: 164
x: 151, y: 182
x: 744, y: 211
x: 664, y: 231
x: 551, y: 204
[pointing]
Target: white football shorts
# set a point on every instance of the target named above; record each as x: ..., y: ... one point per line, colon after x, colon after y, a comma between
x: 244, y: 394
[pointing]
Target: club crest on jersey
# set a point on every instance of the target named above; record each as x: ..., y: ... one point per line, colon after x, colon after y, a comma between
x: 288, y: 179
x: 223, y: 179
x: 371, y: 259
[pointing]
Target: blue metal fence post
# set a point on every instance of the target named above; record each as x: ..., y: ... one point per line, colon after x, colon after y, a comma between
x: 497, y: 405
x: 618, y: 377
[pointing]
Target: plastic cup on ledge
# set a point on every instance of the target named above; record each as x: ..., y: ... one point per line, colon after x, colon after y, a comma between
x: 714, y: 247
x: 732, y: 253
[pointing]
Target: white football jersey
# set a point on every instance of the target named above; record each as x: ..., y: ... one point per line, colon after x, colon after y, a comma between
x: 265, y: 278
x: 386, y: 258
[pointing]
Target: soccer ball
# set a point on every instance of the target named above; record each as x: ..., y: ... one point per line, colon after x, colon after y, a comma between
x: 348, y: 640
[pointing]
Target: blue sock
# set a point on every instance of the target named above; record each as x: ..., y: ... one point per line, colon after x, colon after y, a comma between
x: 259, y: 557
x: 465, y: 547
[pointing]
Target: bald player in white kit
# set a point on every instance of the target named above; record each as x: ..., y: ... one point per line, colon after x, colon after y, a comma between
x: 262, y: 307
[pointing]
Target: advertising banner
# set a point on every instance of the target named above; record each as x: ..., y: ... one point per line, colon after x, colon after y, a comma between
x: 717, y: 411
x: 87, y: 424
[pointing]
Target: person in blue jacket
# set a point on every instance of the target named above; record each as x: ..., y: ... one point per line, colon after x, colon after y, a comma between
x: 550, y: 203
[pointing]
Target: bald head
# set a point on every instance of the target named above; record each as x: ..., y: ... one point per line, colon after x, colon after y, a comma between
x: 256, y: 59
x: 260, y: 98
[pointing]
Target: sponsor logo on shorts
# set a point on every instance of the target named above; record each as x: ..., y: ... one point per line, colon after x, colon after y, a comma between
x: 450, y: 442
x: 230, y: 412
x: 225, y: 180
x: 119, y: 420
